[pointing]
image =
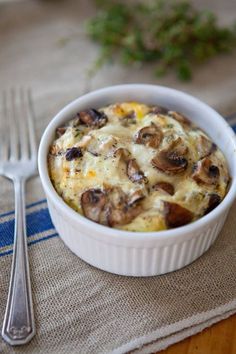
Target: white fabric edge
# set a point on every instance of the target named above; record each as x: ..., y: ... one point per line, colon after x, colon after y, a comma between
x: 8, y: 1
x: 187, y: 327
x: 29, y: 211
x: 164, y: 343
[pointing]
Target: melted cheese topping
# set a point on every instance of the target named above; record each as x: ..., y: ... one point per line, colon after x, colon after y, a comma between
x: 99, y: 168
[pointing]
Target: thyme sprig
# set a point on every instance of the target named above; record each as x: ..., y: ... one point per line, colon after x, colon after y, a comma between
x: 173, y: 35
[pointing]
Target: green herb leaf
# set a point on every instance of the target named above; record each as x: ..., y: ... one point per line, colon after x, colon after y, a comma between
x: 174, y: 35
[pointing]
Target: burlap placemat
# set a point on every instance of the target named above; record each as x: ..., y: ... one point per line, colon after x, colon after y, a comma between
x: 80, y: 309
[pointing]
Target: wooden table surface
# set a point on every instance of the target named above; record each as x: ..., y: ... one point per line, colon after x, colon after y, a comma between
x: 218, y: 339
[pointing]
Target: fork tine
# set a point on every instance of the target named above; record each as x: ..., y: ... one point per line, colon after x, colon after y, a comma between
x: 12, y: 124
x: 4, y: 138
x: 23, y: 127
x: 4, y: 150
x: 31, y: 125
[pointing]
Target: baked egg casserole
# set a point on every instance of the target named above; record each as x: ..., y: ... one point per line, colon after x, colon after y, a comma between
x: 137, y: 167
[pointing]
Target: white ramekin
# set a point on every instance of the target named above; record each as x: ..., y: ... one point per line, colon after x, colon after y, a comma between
x: 140, y: 253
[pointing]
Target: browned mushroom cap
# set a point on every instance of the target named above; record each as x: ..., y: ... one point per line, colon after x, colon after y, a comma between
x: 73, y: 153
x: 149, y: 136
x: 159, y: 110
x: 98, y: 148
x: 206, y: 172
x: 120, y: 211
x: 176, y: 215
x: 134, y: 173
x: 122, y: 153
x: 128, y: 119
x: 60, y: 131
x: 55, y: 150
x: 205, y: 147
x: 123, y: 216
x: 92, y: 203
x: 180, y: 118
x: 117, y: 197
x: 93, y: 118
x: 112, y: 207
x: 137, y: 196
x: 214, y: 200
x: 164, y: 186
x: 172, y: 160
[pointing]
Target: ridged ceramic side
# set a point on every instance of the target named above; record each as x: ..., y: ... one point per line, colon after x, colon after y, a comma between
x: 135, y: 260
x: 140, y: 253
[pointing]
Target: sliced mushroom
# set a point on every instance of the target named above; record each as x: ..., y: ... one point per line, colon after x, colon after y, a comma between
x: 93, y: 118
x: 108, y: 146
x: 206, y: 172
x: 93, y: 147
x: 180, y: 118
x: 176, y: 215
x: 117, y: 197
x: 136, y: 197
x: 122, y: 153
x: 93, y: 202
x: 60, y: 131
x: 75, y: 122
x: 214, y: 200
x: 111, y: 208
x: 73, y: 153
x: 105, y: 147
x: 172, y: 160
x: 120, y: 211
x: 128, y: 119
x: 205, y: 147
x: 134, y: 173
x: 123, y: 216
x: 55, y: 150
x: 159, y: 110
x: 164, y: 186
x: 150, y: 136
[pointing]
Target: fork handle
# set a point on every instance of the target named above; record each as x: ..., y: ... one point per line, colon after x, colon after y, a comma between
x: 18, y: 326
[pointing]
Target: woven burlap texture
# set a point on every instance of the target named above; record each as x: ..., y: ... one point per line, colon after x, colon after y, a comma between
x: 80, y: 309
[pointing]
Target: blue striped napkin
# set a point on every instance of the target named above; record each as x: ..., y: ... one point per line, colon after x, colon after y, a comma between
x: 39, y: 226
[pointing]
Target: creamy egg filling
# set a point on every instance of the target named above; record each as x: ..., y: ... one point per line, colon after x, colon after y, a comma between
x: 107, y: 167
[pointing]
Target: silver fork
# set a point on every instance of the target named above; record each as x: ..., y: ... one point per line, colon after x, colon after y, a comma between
x: 18, y: 162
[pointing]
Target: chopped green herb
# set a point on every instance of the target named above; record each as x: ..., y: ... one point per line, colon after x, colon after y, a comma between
x: 176, y: 36
x: 77, y: 133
